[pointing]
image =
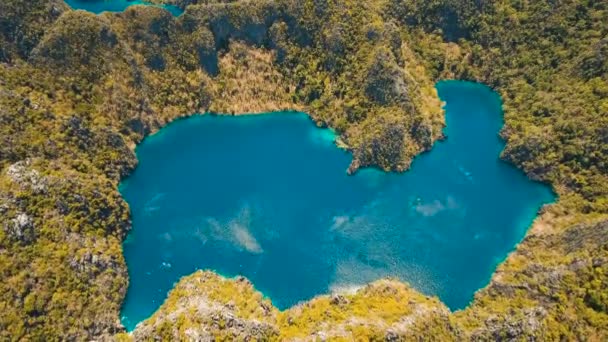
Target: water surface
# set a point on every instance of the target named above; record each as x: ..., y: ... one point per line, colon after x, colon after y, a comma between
x: 99, y: 6
x: 267, y: 197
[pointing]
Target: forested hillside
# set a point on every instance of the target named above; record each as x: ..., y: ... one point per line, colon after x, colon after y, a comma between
x: 549, y: 62
x: 78, y: 91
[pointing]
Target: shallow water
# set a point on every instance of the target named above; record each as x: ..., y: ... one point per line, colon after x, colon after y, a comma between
x: 267, y: 196
x: 99, y: 6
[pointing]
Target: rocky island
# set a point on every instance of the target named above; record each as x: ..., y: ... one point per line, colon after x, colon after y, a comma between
x: 78, y: 91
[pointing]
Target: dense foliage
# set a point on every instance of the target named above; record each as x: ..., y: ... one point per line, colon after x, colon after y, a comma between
x: 549, y: 61
x: 78, y: 91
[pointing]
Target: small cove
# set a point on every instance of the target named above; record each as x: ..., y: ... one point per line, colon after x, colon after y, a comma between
x: 267, y: 197
x: 100, y: 6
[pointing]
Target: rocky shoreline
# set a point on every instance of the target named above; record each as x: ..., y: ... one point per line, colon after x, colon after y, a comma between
x: 78, y: 91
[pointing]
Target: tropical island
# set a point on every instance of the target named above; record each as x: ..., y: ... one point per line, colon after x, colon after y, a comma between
x: 79, y: 91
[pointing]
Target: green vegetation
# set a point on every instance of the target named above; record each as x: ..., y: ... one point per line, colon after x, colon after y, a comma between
x: 78, y: 91
x: 549, y: 62
x: 205, y: 305
x: 380, y: 310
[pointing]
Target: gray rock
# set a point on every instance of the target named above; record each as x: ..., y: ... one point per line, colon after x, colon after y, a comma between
x: 4, y: 206
x: 27, y: 178
x: 578, y: 264
x: 338, y: 300
x: 20, y: 228
x: 527, y: 327
x: 92, y: 264
x: 597, y: 262
x: 391, y: 336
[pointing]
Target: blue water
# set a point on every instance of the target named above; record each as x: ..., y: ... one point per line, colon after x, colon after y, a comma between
x: 267, y: 196
x: 99, y: 6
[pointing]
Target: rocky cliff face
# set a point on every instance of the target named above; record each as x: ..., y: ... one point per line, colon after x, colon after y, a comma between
x: 532, y: 303
x: 60, y: 241
x: 205, y: 306
x: 78, y: 91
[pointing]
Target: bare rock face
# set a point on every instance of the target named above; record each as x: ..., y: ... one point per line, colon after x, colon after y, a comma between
x: 526, y: 325
x: 386, y: 81
x: 19, y: 224
x: 26, y: 177
x: 208, y: 307
x: 20, y: 228
x: 93, y: 264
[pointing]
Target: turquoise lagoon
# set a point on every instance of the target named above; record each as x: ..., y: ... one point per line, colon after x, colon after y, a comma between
x: 99, y: 6
x: 268, y: 197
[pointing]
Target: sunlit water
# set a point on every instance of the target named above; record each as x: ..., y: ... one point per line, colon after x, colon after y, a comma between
x: 99, y: 6
x: 268, y: 197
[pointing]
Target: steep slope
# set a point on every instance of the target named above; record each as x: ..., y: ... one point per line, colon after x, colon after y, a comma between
x: 78, y: 91
x: 553, y: 288
x: 22, y: 27
x: 549, y: 61
x: 207, y: 306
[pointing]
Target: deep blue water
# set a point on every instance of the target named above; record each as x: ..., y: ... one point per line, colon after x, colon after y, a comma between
x: 267, y: 196
x: 99, y: 6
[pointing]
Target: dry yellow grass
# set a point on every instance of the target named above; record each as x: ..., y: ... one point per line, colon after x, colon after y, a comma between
x: 250, y: 83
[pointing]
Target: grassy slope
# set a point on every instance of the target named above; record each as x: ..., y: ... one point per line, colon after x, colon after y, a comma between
x: 77, y: 91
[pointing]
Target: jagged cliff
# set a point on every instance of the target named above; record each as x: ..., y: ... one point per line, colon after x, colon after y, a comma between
x: 551, y: 289
x: 78, y: 91
x: 205, y: 306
